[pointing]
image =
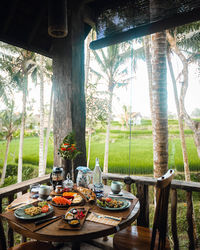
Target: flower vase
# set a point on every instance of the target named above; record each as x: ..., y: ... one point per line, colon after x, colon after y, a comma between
x: 67, y: 167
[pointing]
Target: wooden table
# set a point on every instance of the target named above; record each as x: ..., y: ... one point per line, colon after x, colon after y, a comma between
x: 90, y: 230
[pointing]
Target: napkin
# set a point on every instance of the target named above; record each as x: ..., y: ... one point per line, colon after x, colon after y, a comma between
x: 103, y: 219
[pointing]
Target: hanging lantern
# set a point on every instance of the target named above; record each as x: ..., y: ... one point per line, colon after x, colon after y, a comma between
x: 57, y: 18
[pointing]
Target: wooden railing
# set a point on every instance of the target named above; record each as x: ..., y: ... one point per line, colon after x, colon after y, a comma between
x: 140, y: 185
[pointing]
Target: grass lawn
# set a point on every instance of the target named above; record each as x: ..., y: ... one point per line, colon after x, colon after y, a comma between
x: 141, y: 153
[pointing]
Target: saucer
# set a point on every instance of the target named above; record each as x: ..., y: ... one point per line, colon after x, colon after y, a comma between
x: 48, y: 199
x: 119, y: 194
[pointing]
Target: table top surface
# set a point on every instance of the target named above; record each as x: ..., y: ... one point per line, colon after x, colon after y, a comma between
x: 90, y: 230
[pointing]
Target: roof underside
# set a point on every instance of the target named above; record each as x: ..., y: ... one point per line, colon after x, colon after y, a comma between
x: 25, y: 23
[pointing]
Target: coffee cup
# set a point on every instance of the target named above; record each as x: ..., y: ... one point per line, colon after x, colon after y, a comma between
x: 44, y: 192
x: 116, y: 187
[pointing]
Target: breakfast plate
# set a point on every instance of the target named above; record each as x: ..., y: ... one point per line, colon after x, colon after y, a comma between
x: 123, y: 204
x: 20, y: 213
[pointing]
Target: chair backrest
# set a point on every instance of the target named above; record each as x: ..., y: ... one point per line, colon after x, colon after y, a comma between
x: 161, y: 213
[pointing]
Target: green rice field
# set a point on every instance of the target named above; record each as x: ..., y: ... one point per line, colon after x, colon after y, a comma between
x: 141, y: 152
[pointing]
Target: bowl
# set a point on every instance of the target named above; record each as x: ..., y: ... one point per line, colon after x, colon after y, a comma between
x: 68, y: 217
x: 74, y: 222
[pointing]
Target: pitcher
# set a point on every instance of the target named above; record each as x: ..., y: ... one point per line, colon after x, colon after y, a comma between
x: 83, y: 178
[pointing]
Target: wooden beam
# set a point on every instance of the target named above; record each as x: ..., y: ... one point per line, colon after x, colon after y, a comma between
x: 15, y: 42
x: 89, y: 16
x: 36, y: 24
x: 143, y: 30
x: 10, y: 15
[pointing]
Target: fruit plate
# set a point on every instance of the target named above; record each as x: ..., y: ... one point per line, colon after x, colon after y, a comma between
x: 20, y: 214
x: 126, y: 204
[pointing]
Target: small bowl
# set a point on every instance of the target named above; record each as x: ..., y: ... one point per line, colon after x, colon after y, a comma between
x: 74, y: 222
x: 68, y: 217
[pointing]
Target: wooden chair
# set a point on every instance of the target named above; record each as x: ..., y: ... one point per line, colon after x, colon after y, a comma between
x: 137, y: 237
x: 31, y: 245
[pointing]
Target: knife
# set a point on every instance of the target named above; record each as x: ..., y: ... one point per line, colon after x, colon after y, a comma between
x: 123, y: 197
x: 112, y: 218
x: 45, y: 220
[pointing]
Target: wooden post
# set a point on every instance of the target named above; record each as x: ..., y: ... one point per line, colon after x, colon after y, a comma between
x: 10, y: 231
x: 0, y: 205
x: 128, y: 187
x: 190, y: 220
x: 2, y: 237
x: 105, y: 181
x: 68, y: 86
x: 143, y: 195
x: 173, y: 218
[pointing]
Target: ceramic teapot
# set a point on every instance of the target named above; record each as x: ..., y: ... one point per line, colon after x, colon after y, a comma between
x: 83, y: 178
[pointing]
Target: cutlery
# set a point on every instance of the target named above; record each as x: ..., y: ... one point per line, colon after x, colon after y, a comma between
x: 107, y: 217
x: 124, y: 197
x: 112, y: 218
x: 48, y: 219
x: 16, y: 205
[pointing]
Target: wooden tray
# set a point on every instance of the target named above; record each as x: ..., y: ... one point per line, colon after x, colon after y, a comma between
x: 64, y: 224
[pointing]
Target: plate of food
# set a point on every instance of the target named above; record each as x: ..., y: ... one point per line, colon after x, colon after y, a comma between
x: 88, y: 194
x: 115, y: 204
x: 32, y: 212
x: 59, y: 201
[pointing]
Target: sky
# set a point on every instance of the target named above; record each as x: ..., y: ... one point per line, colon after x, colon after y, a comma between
x: 140, y: 92
x: 139, y: 99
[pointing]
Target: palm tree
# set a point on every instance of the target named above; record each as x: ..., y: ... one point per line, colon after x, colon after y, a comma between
x: 44, y: 71
x: 17, y: 63
x: 9, y: 122
x: 184, y: 42
x: 180, y: 120
x: 159, y: 94
x: 110, y: 61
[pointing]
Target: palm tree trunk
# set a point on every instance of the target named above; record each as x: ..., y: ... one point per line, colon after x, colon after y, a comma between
x: 89, y: 146
x: 159, y: 104
x: 48, y: 129
x: 21, y: 140
x: 105, y: 167
x: 193, y: 125
x: 41, y: 143
x: 149, y: 67
x: 180, y: 121
x: 5, y: 160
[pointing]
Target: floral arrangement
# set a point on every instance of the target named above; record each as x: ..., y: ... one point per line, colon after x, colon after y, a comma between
x: 68, y: 149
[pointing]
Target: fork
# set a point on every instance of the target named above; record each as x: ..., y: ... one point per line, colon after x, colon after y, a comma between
x: 107, y: 217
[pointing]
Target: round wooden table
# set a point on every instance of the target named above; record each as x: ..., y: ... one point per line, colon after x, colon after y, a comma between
x: 90, y: 230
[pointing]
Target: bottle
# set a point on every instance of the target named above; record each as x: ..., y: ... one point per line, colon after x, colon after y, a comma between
x: 97, y: 177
